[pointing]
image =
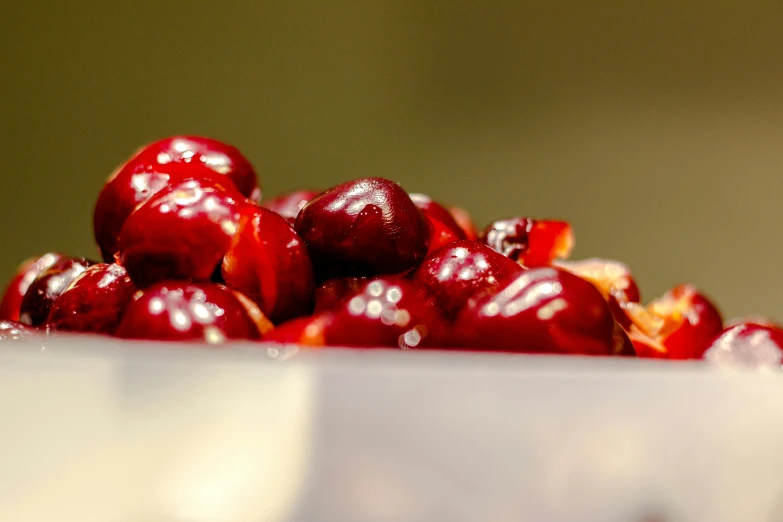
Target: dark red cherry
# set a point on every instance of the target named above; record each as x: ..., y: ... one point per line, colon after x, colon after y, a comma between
x: 465, y: 222
x: 458, y: 271
x: 363, y: 227
x: 269, y: 263
x: 180, y: 311
x: 182, y: 232
x: 94, y: 302
x: 335, y: 293
x: 613, y: 279
x: 48, y: 287
x: 289, y: 205
x: 308, y: 331
x: 12, y: 330
x: 747, y: 345
x: 388, y: 311
x: 543, y: 310
x: 21, y: 281
x: 684, y: 322
x: 531, y: 242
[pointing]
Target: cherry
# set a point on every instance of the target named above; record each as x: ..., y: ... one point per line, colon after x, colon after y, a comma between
x: 180, y: 311
x: 363, y: 227
x: 158, y: 165
x: 530, y: 242
x: 613, y: 279
x: 334, y: 293
x: 465, y: 222
x: 747, y: 344
x: 307, y: 331
x: 94, y: 302
x: 12, y: 330
x: 683, y: 322
x: 21, y: 281
x: 182, y: 232
x: 48, y: 287
x: 542, y: 310
x: 269, y: 263
x: 289, y: 205
x: 458, y: 271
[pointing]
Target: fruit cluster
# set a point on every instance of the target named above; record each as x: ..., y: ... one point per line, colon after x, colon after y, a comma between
x: 191, y: 252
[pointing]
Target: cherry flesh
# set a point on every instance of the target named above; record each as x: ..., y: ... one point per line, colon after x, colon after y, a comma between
x: 94, y: 302
x: 269, y: 263
x: 363, y: 227
x: 48, y: 287
x: 465, y: 222
x: 531, y: 242
x: 181, y: 311
x: 543, y: 310
x: 458, y: 271
x: 289, y: 205
x: 21, y: 281
x: 182, y: 232
x: 747, y: 345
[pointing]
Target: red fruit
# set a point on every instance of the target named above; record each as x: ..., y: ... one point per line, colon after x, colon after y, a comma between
x: 269, y: 263
x: 388, y: 312
x: 363, y: 227
x: 543, y: 310
x: 94, y: 301
x: 683, y: 321
x: 48, y: 287
x: 465, y: 222
x: 23, y: 278
x: 307, y: 331
x: 12, y: 330
x: 458, y: 271
x: 336, y: 292
x: 182, y: 232
x: 530, y: 242
x: 443, y: 228
x: 622, y: 342
x: 748, y: 345
x: 181, y: 311
x: 289, y: 205
x: 613, y: 279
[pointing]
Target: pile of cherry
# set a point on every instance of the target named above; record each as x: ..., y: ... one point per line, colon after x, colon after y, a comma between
x: 192, y: 253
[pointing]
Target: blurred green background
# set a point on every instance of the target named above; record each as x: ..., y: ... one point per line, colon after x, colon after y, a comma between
x: 657, y: 130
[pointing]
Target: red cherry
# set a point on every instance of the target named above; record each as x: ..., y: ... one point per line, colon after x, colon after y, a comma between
x: 465, y: 222
x: 458, y: 271
x: 289, y: 205
x: 21, y: 281
x: 387, y: 312
x: 747, y: 345
x: 307, y: 331
x: 683, y: 321
x: 623, y: 345
x: 12, y: 330
x: 613, y: 279
x: 182, y: 232
x: 269, y: 263
x: 335, y: 293
x: 543, y: 310
x: 530, y: 242
x: 364, y: 227
x: 48, y: 287
x: 94, y: 301
x: 180, y: 311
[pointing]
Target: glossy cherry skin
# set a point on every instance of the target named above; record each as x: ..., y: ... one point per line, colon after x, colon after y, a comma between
x: 269, y: 263
x: 21, y: 281
x: 182, y: 232
x: 543, y: 310
x: 531, y: 242
x: 181, y: 311
x: 48, y: 287
x: 613, y: 279
x: 289, y: 205
x: 747, y: 345
x: 94, y: 302
x: 460, y: 270
x: 335, y: 293
x: 12, y: 330
x: 683, y: 322
x: 363, y: 227
x: 465, y: 222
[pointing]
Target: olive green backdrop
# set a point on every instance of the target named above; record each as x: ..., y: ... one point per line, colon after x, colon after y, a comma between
x: 656, y: 129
